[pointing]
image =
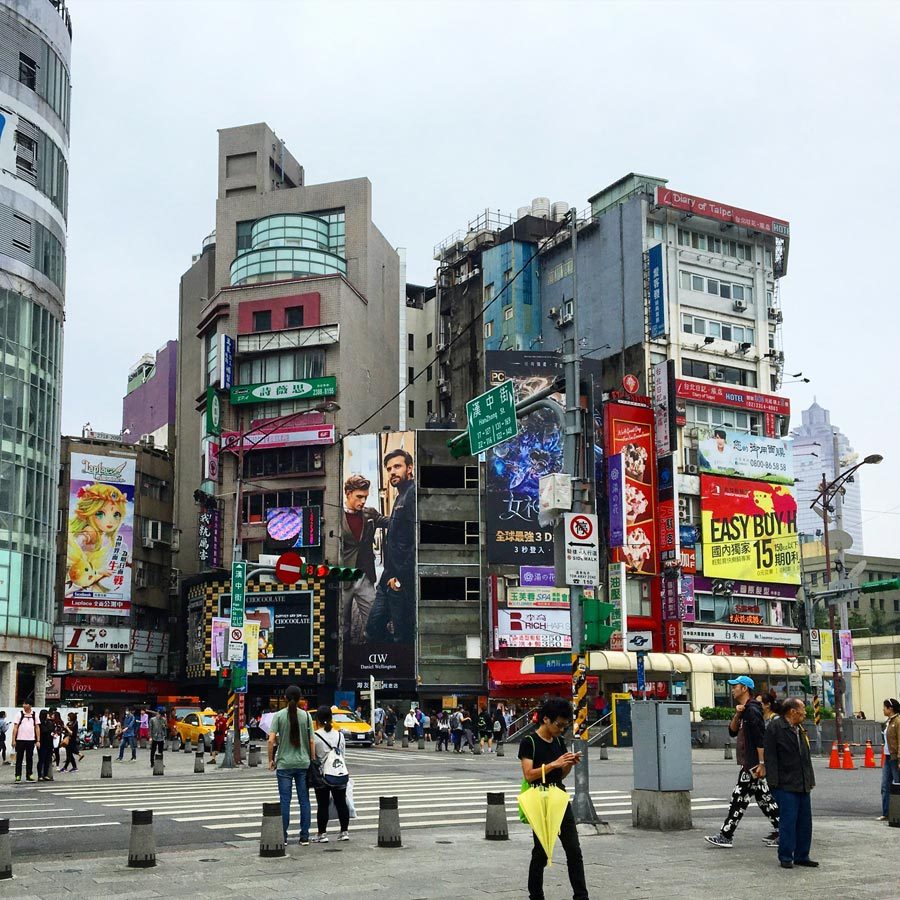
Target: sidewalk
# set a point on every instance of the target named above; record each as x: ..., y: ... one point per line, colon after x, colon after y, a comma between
x: 857, y: 861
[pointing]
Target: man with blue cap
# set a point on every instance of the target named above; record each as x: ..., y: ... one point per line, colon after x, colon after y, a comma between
x: 748, y: 726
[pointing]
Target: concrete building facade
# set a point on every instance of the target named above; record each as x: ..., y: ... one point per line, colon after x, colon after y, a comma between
x: 35, y: 94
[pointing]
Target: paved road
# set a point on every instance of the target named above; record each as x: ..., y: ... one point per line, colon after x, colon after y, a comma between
x: 81, y: 813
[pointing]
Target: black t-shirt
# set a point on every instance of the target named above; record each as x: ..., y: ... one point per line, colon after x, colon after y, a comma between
x: 541, y: 752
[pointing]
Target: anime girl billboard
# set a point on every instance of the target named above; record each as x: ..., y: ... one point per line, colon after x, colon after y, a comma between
x: 100, y: 535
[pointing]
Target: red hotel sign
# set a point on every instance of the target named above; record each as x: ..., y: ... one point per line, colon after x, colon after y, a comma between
x: 711, y: 209
x: 726, y: 395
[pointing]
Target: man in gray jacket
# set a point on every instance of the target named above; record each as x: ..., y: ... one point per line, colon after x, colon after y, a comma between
x: 790, y: 774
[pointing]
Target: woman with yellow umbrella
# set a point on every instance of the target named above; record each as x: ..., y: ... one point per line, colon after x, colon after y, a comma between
x: 546, y: 761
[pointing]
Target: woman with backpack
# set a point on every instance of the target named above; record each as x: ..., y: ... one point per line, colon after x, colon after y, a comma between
x: 330, y: 749
x: 70, y: 743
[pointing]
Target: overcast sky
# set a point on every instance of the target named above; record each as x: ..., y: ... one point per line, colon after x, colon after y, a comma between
x: 788, y: 109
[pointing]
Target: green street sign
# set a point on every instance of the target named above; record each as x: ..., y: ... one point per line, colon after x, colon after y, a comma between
x: 875, y: 587
x: 238, y: 587
x: 492, y: 417
x: 213, y: 412
x: 284, y: 390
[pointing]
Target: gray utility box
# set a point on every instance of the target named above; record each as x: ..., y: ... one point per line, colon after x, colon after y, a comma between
x: 662, y: 746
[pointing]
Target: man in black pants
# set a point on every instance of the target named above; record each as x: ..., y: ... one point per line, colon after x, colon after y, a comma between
x: 25, y: 738
x: 546, y: 748
x: 158, y: 729
x: 749, y: 727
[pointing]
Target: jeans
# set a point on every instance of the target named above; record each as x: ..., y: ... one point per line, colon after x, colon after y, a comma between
x: 126, y: 740
x: 740, y: 800
x: 357, y: 599
x: 24, y: 749
x: 795, y: 834
x: 456, y: 735
x: 890, y: 772
x: 568, y: 836
x: 323, y: 796
x: 394, y: 607
x: 287, y: 778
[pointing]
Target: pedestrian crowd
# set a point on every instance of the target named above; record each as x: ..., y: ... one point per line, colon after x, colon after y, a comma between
x: 450, y: 730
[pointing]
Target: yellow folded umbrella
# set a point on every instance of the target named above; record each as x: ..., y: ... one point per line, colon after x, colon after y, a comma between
x: 544, y: 806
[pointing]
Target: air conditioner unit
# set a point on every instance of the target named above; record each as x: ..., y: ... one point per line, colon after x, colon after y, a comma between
x: 147, y: 542
x: 553, y: 312
x: 147, y: 439
x: 775, y: 314
x: 691, y: 469
x: 682, y: 505
x: 738, y: 306
x: 716, y: 375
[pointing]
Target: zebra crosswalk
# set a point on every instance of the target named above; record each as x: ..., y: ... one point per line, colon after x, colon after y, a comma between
x: 230, y: 807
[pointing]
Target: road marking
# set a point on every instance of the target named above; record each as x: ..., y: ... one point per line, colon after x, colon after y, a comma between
x: 76, y: 825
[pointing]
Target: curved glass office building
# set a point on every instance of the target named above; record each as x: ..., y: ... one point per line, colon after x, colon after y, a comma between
x: 35, y: 51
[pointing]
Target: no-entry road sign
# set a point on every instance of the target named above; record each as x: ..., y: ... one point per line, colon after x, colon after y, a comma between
x: 288, y: 568
x: 582, y: 549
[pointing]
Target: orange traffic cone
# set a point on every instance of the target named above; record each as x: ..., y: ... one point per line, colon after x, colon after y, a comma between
x: 835, y: 761
x: 848, y: 758
x: 870, y: 756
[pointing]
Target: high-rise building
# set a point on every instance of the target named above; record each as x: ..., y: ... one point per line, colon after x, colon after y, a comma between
x: 148, y: 408
x: 289, y: 327
x: 35, y: 51
x: 821, y: 448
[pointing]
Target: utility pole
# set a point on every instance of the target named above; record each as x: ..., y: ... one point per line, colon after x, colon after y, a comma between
x: 838, y: 678
x: 844, y: 608
x: 573, y: 464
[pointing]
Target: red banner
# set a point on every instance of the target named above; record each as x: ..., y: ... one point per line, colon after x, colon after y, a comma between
x: 711, y: 209
x: 672, y: 630
x: 729, y: 395
x: 629, y: 431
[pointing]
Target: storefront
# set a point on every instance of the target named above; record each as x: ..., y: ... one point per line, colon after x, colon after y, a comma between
x: 100, y: 691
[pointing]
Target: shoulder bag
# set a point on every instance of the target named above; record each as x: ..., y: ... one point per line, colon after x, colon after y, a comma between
x: 334, y: 767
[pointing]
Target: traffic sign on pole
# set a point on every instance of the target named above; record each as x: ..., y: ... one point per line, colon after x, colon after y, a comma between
x: 236, y: 643
x: 582, y: 549
x: 238, y: 586
x: 492, y: 417
x: 289, y: 567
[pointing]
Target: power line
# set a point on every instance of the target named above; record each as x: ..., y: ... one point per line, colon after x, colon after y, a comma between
x: 476, y: 317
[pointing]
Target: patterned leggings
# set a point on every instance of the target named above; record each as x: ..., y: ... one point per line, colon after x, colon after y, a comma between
x: 740, y: 800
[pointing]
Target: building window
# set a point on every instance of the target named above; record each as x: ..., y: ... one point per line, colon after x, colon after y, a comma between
x: 727, y: 290
x: 293, y: 317
x: 286, y: 461
x: 471, y: 478
x: 429, y: 407
x: 738, y: 420
x: 429, y: 373
x: 655, y: 230
x: 212, y: 359
x: 429, y: 340
x: 255, y: 506
x: 410, y: 342
x: 896, y: 605
x: 724, y: 331
x: 489, y: 329
x: 287, y: 365
x: 561, y: 270
x: 695, y: 368
x: 711, y: 244
x: 488, y: 293
x: 28, y: 71
x: 410, y: 374
x: 507, y: 314
x: 262, y: 320
x: 472, y: 535
x: 243, y: 236
x: 411, y: 409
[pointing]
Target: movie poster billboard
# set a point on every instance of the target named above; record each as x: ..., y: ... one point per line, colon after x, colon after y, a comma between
x: 379, y: 525
x: 628, y: 429
x: 100, y: 536
x: 514, y: 468
x: 749, y: 530
x: 736, y: 453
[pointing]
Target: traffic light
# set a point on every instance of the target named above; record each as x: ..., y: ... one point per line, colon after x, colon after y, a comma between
x: 597, y: 630
x: 224, y: 676
x: 874, y: 587
x: 336, y: 573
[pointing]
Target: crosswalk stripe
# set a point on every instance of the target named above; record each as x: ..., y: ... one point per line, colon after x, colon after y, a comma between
x: 52, y: 827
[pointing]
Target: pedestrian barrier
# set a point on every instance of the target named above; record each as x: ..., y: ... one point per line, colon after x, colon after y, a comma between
x: 604, y: 752
x: 495, y: 827
x: 388, y: 822
x: 271, y: 837
x: 835, y: 761
x: 142, y: 844
x: 848, y: 758
x: 253, y: 757
x: 158, y: 766
x: 187, y: 746
x: 199, y: 765
x: 5, y: 850
x: 404, y: 743
x: 728, y: 753
x: 390, y: 740
x: 500, y: 750
x: 476, y: 748
x: 422, y: 743
x: 869, y: 762
x: 106, y: 767
x: 893, y: 806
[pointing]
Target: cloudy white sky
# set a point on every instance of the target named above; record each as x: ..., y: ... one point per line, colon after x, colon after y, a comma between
x: 789, y: 109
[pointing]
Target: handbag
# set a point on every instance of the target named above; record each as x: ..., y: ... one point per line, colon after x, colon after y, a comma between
x: 351, y: 806
x: 314, y: 775
x: 334, y: 767
x: 526, y: 784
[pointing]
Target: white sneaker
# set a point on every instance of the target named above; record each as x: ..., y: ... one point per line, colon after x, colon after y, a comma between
x: 345, y: 836
x: 319, y: 839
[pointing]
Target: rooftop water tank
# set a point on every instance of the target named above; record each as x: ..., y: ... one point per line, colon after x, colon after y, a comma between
x: 559, y: 210
x: 523, y: 211
x: 540, y: 207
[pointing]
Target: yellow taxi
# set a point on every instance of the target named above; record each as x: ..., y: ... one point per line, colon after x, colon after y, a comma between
x: 356, y: 731
x: 199, y: 726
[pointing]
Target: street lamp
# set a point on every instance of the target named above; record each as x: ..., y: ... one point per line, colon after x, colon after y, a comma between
x: 828, y: 490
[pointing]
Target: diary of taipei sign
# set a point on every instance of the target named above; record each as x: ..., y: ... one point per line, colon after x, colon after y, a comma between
x: 749, y: 531
x: 284, y: 390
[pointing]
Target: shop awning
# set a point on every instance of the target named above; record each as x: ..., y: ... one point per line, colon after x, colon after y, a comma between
x: 686, y: 663
x: 506, y: 676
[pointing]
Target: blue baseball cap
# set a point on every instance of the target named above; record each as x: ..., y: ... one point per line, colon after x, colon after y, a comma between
x: 745, y: 680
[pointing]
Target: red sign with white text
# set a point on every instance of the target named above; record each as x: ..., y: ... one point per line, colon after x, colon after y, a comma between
x: 672, y: 629
x: 711, y: 209
x: 629, y: 431
x: 292, y: 436
x: 728, y: 395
